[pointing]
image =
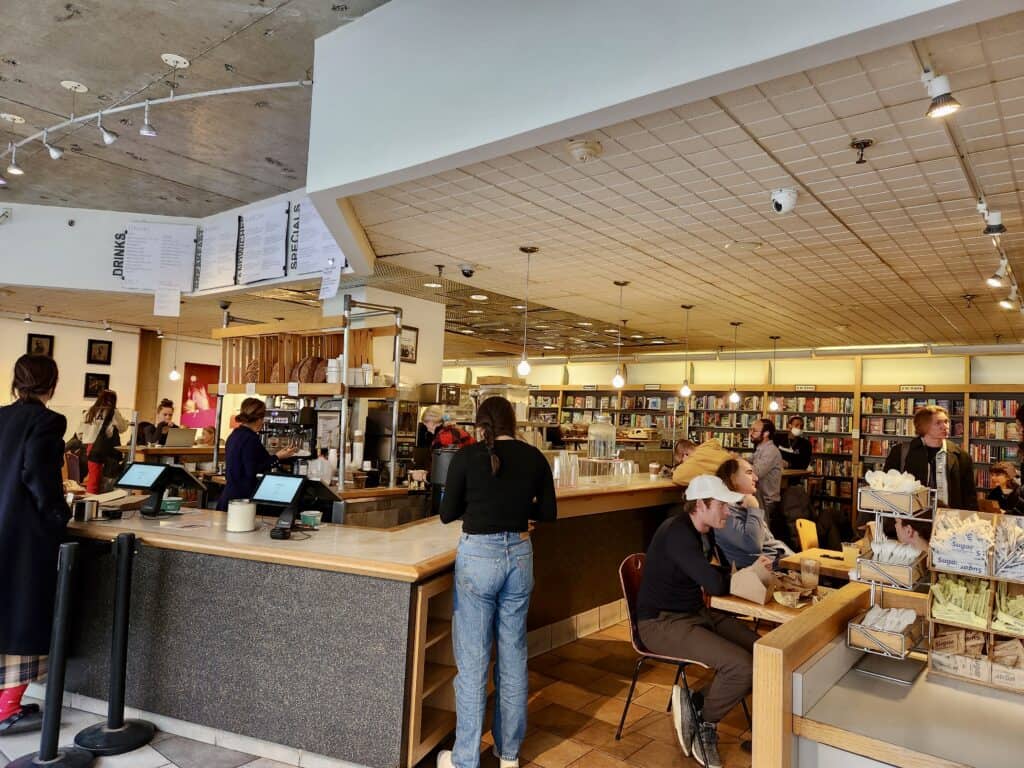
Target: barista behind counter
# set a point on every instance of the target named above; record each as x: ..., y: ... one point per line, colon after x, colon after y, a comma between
x: 244, y: 454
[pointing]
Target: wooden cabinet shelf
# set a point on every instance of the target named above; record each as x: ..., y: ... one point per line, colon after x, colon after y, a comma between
x: 437, y: 629
x: 269, y: 388
x: 436, y: 675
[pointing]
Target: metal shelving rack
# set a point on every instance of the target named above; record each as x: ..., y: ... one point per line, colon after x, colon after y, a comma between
x: 351, y: 393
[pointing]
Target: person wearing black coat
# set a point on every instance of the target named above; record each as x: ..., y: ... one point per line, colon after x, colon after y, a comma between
x: 795, y: 448
x: 33, y: 515
x: 925, y: 454
x: 244, y: 454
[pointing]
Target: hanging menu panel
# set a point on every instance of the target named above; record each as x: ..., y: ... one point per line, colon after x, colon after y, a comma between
x: 311, y: 246
x: 262, y: 243
x: 159, y: 256
x: 218, y: 252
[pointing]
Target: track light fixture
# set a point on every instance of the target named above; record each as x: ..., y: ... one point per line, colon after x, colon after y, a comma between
x: 1011, y: 300
x: 996, y: 281
x: 13, y: 168
x: 685, y: 390
x: 524, y: 368
x: 618, y: 380
x: 27, y: 318
x: 734, y: 396
x: 994, y: 223
x: 56, y: 153
x: 147, y: 128
x: 109, y: 137
x: 942, y: 102
x: 159, y: 333
x: 106, y: 326
x: 3, y: 182
x: 773, y: 404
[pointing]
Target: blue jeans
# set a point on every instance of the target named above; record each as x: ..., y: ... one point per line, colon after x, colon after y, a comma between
x: 493, y: 582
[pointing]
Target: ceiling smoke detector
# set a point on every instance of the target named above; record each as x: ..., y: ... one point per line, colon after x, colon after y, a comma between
x: 584, y: 150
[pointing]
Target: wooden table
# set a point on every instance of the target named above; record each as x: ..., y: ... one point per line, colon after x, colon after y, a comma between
x: 770, y: 611
x: 827, y: 566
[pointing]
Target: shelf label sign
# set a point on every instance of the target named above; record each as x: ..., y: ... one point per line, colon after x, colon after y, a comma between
x: 590, y: 387
x: 911, y: 387
x: 293, y: 389
x: 652, y: 387
x: 805, y: 387
x: 250, y: 388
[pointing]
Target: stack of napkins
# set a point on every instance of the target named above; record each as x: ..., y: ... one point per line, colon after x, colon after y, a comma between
x: 1009, y: 553
x: 903, y: 482
x: 889, y: 619
x: 893, y: 553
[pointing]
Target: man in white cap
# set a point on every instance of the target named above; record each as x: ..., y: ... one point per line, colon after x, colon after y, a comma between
x: 673, y: 620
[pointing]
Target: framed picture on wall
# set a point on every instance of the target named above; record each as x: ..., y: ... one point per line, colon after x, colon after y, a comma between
x: 410, y: 343
x: 39, y: 344
x: 100, y: 352
x: 95, y: 383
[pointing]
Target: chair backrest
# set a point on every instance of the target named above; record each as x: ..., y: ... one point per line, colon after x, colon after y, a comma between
x: 631, y: 573
x: 807, y: 531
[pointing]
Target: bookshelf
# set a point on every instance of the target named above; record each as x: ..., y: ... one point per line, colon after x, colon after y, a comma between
x: 887, y: 418
x: 582, y: 406
x: 992, y: 433
x: 658, y: 410
x: 828, y: 424
x: 713, y: 416
x: 543, y: 407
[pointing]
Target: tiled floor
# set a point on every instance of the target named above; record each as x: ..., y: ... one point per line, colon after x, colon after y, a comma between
x: 576, y: 697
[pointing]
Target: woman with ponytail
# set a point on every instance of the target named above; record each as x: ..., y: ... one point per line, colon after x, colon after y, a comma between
x: 496, y: 487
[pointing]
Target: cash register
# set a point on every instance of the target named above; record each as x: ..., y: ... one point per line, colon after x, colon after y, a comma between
x: 288, y: 492
x: 156, y: 478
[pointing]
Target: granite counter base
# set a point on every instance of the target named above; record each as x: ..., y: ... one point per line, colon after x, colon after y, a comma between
x: 315, y: 660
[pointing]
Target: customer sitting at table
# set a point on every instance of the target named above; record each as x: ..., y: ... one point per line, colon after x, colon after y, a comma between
x: 682, y: 450
x: 244, y: 454
x: 746, y: 536
x: 155, y: 433
x: 935, y: 461
x: 1005, y: 488
x: 673, y: 619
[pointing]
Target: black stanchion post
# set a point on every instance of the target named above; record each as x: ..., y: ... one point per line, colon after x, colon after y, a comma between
x: 117, y: 735
x: 49, y: 754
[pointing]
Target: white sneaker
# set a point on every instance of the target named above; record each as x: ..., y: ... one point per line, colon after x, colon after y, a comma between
x: 444, y: 759
x: 502, y: 761
x: 682, y: 719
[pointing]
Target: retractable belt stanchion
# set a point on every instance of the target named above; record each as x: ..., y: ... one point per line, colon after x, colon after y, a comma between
x: 49, y: 754
x: 118, y: 735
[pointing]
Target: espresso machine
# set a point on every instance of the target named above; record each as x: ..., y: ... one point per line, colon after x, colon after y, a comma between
x: 291, y: 428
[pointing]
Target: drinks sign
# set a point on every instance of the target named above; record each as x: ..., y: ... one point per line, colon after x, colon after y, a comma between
x: 911, y: 387
x: 804, y: 387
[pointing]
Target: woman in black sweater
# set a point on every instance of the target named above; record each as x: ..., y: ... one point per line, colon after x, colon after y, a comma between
x: 496, y: 487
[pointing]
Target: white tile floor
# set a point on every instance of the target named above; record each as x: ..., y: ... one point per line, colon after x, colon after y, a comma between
x: 165, y: 751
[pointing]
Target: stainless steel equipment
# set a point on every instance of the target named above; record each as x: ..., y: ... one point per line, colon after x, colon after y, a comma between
x: 440, y: 394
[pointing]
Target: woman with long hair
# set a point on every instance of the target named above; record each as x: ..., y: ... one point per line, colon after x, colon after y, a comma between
x: 244, y: 454
x: 496, y: 487
x: 101, y: 428
x: 33, y: 515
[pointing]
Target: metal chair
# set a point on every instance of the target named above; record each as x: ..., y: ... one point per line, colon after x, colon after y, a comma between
x: 807, y: 531
x: 631, y: 572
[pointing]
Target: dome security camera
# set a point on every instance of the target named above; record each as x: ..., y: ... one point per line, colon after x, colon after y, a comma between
x: 783, y: 200
x: 468, y: 270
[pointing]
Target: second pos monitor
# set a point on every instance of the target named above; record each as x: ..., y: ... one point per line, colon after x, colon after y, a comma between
x: 288, y: 492
x: 156, y: 478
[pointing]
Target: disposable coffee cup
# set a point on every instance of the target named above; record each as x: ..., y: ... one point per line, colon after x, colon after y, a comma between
x: 311, y: 517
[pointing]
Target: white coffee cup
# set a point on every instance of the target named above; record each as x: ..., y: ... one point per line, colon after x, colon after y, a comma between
x: 241, y: 516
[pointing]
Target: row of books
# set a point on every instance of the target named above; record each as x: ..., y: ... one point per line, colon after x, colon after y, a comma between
x: 543, y: 401
x: 590, y: 402
x: 819, y: 423
x: 905, y: 406
x: 803, y: 405
x: 879, y: 425
x: 649, y: 420
x: 1003, y: 409
x: 721, y: 403
x: 988, y: 452
x: 831, y: 444
x: 835, y: 467
x: 831, y: 487
x: 734, y: 440
x: 649, y: 402
x: 718, y: 419
x: 580, y: 417
x: 876, y: 448
x: 995, y: 430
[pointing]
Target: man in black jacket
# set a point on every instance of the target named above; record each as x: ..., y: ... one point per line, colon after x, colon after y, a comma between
x: 937, y: 462
x: 795, y: 448
x: 672, y: 619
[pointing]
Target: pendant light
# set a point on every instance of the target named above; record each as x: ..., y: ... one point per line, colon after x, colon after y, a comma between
x: 773, y: 404
x: 13, y: 168
x: 618, y: 380
x: 734, y: 396
x: 685, y: 390
x: 174, y: 375
x: 523, y: 369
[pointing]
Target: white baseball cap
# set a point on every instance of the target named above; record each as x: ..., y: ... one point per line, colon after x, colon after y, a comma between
x: 711, y: 487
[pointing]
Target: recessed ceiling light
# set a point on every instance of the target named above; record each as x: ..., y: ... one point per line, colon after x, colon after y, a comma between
x: 468, y: 331
x: 611, y: 330
x: 8, y: 117
x: 743, y: 245
x: 636, y: 336
x: 431, y: 285
x: 657, y: 341
x: 73, y: 86
x: 501, y: 330
x: 584, y: 324
x: 478, y: 296
x: 542, y: 327
x: 475, y: 311
x: 518, y: 306
x: 548, y: 346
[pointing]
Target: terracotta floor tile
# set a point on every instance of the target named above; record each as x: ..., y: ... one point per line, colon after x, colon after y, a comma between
x: 615, y: 686
x: 610, y: 710
x: 545, y: 663
x: 622, y: 665
x: 561, y: 721
x: 579, y: 652
x: 655, y: 699
x: 658, y: 673
x: 659, y: 755
x: 538, y: 681
x: 599, y: 760
x: 574, y: 672
x: 658, y: 726
x: 553, y: 752
x: 601, y: 736
x: 616, y: 632
x: 569, y: 695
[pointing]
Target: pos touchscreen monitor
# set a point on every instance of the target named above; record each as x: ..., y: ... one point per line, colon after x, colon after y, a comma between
x: 156, y: 478
x: 287, y: 492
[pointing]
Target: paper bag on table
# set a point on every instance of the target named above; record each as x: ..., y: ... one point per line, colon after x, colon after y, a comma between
x: 754, y: 583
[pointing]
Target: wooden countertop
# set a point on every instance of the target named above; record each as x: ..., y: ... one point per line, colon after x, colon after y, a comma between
x: 195, y: 450
x: 828, y: 565
x: 409, y: 553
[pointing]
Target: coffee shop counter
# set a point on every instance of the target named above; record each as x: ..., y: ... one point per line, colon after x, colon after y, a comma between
x: 338, y: 644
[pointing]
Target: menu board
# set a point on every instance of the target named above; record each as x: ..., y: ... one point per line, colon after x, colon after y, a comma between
x: 159, y: 256
x: 311, y: 246
x: 261, y: 243
x: 218, y: 252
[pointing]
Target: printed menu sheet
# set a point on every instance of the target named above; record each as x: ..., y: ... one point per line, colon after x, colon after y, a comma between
x: 159, y: 256
x: 311, y: 246
x: 218, y: 252
x: 261, y: 243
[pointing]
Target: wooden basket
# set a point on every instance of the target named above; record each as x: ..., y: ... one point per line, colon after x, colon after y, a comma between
x: 882, y: 642
x: 890, y: 574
